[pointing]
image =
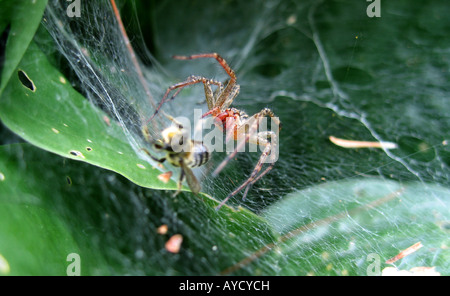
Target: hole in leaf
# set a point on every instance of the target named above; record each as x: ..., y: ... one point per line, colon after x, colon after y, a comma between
x: 26, y: 81
x: 77, y: 153
x: 69, y: 180
x: 88, y: 149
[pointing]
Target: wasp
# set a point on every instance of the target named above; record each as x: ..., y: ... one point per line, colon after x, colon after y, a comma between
x: 181, y: 151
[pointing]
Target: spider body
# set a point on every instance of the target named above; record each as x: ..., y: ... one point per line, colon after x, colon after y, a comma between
x: 235, y: 123
x: 228, y: 120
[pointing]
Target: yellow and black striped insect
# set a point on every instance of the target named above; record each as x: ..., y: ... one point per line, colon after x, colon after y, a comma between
x: 181, y: 151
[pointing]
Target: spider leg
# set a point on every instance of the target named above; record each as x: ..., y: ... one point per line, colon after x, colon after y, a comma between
x: 214, y: 55
x: 214, y: 95
x: 226, y: 98
x: 223, y: 98
x: 261, y: 138
x: 253, y: 177
x: 242, y: 129
x: 256, y: 179
x: 239, y: 131
x: 189, y: 81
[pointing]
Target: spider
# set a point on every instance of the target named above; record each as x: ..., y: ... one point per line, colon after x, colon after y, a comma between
x: 234, y: 122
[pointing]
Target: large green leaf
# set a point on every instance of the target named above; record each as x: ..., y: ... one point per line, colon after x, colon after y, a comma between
x: 33, y: 241
x: 339, y: 227
x: 55, y: 117
x: 23, y: 18
x: 64, y: 206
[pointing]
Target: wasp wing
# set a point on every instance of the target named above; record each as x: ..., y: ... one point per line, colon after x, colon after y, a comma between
x: 191, y: 179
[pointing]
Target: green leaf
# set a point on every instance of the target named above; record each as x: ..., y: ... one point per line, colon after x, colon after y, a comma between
x: 33, y: 241
x: 40, y: 105
x: 334, y: 229
x: 52, y: 206
x: 24, y: 17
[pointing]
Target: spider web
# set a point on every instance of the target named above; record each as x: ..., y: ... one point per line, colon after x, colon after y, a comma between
x: 323, y: 68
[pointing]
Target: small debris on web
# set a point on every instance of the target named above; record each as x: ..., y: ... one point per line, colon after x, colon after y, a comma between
x: 165, y: 177
x: 162, y: 229
x: 405, y: 253
x: 173, y: 245
x: 361, y: 144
